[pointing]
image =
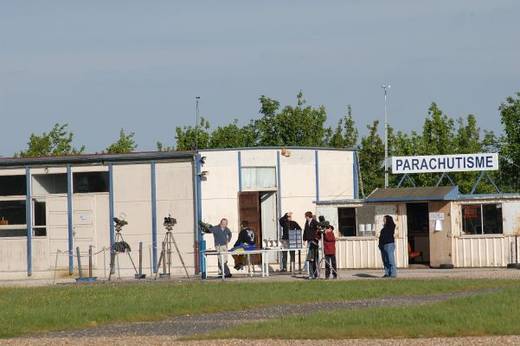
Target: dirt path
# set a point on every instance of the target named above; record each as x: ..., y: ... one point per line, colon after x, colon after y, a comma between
x: 199, y: 324
x: 170, y: 340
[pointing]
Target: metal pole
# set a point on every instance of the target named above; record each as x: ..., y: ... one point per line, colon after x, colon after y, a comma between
x: 386, y: 87
x: 79, y: 263
x: 197, y: 98
x: 90, y: 261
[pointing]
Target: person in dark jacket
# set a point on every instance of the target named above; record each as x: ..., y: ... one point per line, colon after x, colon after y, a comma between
x: 387, y: 247
x: 287, y: 223
x: 312, y: 237
x: 245, y: 241
x: 329, y: 248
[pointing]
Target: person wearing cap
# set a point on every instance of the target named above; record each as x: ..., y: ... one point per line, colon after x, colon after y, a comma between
x: 287, y: 224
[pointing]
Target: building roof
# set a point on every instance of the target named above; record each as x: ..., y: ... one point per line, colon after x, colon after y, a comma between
x: 14, y: 162
x: 405, y: 194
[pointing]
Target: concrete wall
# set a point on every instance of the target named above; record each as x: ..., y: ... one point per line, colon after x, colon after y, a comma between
x: 91, y: 224
x: 297, y: 190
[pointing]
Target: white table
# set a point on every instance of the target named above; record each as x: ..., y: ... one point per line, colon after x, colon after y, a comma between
x: 279, y: 250
x: 262, y: 252
x: 264, y: 271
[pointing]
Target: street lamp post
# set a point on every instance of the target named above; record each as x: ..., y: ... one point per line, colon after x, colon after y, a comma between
x: 197, y: 121
x: 385, y: 88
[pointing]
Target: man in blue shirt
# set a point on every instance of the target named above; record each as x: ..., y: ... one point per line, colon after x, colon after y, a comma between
x: 222, y: 236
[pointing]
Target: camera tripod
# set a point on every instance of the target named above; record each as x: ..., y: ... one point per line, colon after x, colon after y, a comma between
x: 120, y: 246
x: 165, y: 259
x: 322, y: 262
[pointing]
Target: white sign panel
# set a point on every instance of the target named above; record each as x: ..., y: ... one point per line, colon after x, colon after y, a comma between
x: 437, y: 216
x: 445, y: 163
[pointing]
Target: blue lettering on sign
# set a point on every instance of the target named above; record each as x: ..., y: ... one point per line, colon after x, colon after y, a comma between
x: 480, y: 162
x: 432, y: 162
x: 415, y: 164
x: 406, y: 165
x: 470, y: 163
x: 424, y: 164
x: 489, y: 162
x: 398, y: 163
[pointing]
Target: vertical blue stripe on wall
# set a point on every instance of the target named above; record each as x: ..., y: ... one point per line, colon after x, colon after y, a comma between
x: 317, y: 170
x: 154, y: 215
x: 239, y: 164
x: 28, y: 218
x: 355, y: 166
x: 70, y: 220
x: 111, y: 204
x: 198, y: 217
x: 278, y: 186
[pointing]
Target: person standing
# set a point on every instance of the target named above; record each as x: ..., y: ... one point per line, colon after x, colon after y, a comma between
x: 387, y: 247
x: 222, y: 236
x: 311, y: 236
x: 245, y: 242
x: 329, y: 248
x: 287, y: 223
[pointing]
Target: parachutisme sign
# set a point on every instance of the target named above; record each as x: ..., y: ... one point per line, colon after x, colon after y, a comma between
x: 445, y: 163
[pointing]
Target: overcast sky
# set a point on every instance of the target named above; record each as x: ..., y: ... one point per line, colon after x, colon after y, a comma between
x: 103, y: 65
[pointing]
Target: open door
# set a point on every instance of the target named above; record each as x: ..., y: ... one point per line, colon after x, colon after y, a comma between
x: 249, y: 209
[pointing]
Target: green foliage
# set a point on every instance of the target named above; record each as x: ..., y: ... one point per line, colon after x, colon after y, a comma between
x: 510, y: 143
x: 346, y: 134
x: 232, y: 136
x: 125, y: 144
x: 300, y: 125
x: 57, y: 142
x: 371, y: 158
x: 189, y: 138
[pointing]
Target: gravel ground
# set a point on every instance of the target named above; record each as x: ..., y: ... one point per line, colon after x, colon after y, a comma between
x: 170, y: 340
x: 358, y: 274
x: 199, y: 324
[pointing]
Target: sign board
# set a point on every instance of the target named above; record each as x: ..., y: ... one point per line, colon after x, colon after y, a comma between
x: 445, y: 163
x: 436, y: 216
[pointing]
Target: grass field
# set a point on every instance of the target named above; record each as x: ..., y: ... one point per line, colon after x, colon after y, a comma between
x: 487, y: 314
x: 37, y: 309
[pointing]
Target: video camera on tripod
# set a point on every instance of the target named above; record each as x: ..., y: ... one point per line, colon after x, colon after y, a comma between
x: 322, y: 224
x: 119, y: 223
x: 169, y: 222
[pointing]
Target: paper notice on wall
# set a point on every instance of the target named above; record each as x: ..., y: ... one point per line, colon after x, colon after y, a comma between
x: 436, y: 216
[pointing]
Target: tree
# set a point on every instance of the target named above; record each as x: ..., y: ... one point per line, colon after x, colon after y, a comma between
x: 125, y: 144
x: 510, y: 143
x: 346, y: 133
x: 301, y: 125
x: 189, y: 138
x: 438, y: 137
x: 371, y: 157
x: 57, y: 142
x: 232, y: 136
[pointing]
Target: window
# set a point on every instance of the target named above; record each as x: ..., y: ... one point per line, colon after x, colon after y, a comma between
x: 258, y: 178
x: 347, y: 222
x: 44, y: 184
x: 13, y: 221
x: 13, y: 185
x: 482, y: 219
x: 90, y: 182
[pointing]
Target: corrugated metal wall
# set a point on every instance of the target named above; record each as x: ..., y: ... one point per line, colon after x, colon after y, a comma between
x: 363, y: 253
x: 483, y: 251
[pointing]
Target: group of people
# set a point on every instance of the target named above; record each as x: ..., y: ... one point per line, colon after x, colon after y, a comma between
x: 313, y: 233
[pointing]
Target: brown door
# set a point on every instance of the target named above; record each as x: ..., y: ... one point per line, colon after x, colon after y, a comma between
x: 249, y: 209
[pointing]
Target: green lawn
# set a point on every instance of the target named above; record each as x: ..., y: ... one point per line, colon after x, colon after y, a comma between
x: 486, y: 314
x: 36, y: 309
